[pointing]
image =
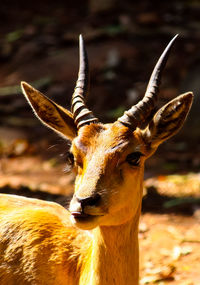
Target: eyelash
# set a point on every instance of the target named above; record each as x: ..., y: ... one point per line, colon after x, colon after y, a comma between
x: 134, y: 158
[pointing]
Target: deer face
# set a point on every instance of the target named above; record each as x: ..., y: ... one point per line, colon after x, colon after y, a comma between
x: 109, y: 158
x: 109, y: 175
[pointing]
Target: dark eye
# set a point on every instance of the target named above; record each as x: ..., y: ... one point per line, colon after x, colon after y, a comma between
x: 134, y: 158
x: 69, y: 162
x: 70, y: 158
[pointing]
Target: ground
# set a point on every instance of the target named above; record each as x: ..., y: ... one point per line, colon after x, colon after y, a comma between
x: 169, y: 249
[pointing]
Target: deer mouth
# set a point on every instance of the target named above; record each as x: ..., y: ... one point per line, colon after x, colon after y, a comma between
x: 81, y: 217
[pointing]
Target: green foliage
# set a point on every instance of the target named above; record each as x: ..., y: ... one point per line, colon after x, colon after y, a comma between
x: 16, y: 89
x: 180, y: 201
x: 14, y: 36
x: 113, y: 30
x: 116, y: 113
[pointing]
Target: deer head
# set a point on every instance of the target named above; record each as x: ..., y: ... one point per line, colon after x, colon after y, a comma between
x: 109, y: 158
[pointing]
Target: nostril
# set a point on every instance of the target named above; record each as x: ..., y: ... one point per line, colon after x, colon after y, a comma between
x: 90, y: 201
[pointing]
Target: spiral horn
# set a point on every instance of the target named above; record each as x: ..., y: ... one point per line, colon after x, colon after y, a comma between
x: 82, y: 115
x: 137, y: 115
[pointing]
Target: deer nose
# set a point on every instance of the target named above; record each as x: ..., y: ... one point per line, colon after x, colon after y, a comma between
x: 89, y: 201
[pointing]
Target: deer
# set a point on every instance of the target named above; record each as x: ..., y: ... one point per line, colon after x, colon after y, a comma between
x: 95, y: 240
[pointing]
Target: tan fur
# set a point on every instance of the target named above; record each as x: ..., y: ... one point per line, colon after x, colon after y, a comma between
x: 41, y: 243
x: 37, y: 243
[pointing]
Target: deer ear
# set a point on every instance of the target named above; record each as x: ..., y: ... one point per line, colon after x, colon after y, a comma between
x: 168, y: 120
x: 51, y: 114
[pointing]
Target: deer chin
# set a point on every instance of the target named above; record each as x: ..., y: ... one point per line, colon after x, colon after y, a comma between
x: 85, y: 221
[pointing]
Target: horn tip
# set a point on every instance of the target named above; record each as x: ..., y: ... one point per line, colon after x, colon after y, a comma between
x: 80, y: 37
x: 173, y: 39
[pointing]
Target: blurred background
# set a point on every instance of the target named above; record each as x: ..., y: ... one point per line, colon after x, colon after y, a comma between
x: 124, y: 39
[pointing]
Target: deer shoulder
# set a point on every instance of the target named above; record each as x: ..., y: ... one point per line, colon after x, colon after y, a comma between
x: 38, y: 243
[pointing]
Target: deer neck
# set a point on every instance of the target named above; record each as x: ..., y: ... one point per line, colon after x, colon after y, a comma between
x: 114, y: 257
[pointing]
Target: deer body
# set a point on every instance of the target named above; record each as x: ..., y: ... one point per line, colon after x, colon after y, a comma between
x: 38, y: 235
x: 96, y: 241
x: 37, y: 243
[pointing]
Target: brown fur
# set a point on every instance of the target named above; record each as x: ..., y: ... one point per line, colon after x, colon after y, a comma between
x: 41, y: 243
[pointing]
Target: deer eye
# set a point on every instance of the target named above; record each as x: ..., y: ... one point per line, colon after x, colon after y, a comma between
x: 134, y: 158
x: 70, y: 158
x: 69, y: 162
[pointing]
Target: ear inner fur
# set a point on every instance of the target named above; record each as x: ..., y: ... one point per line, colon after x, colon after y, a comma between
x: 168, y: 120
x: 50, y: 113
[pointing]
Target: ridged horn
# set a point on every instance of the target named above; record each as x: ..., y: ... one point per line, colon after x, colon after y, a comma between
x: 137, y: 115
x: 82, y: 115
